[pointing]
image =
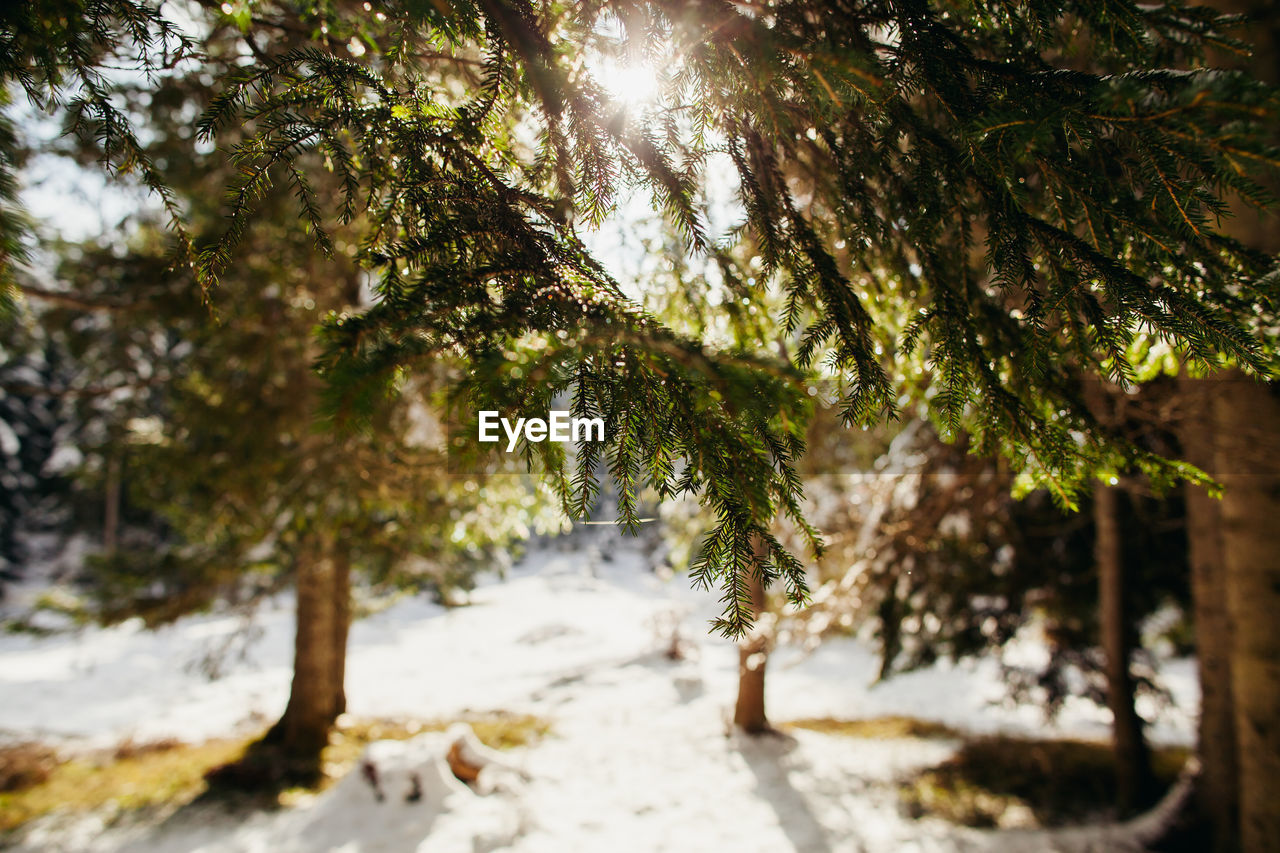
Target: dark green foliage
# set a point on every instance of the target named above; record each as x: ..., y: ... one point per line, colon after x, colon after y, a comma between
x: 13, y: 221
x: 1040, y: 186
x: 997, y: 197
x: 63, y: 55
x: 211, y: 417
x: 679, y: 421
x: 477, y: 262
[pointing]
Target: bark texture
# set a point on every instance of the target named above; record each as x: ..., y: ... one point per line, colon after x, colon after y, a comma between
x: 1217, y: 789
x: 1234, y: 602
x: 1248, y: 465
x: 317, y: 695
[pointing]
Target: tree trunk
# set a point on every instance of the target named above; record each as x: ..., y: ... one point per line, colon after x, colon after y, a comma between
x: 890, y: 629
x: 1248, y: 457
x: 1217, y: 792
x: 753, y: 654
x: 317, y: 696
x: 341, y: 624
x: 1134, y: 779
x: 1239, y: 779
x: 111, y: 509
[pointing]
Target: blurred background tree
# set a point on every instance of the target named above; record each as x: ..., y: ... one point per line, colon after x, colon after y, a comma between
x: 202, y: 429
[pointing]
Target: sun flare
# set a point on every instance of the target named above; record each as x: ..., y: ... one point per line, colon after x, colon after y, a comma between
x: 628, y: 83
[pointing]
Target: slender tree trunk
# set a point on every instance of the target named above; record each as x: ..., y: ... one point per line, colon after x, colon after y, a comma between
x: 111, y: 510
x: 890, y: 629
x: 1217, y: 790
x: 341, y: 624
x: 1134, y: 779
x: 753, y: 655
x: 316, y: 697
x: 1248, y: 457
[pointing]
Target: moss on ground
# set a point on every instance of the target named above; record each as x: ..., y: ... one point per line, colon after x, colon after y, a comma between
x: 876, y: 727
x: 139, y: 777
x: 170, y: 774
x: 1007, y: 781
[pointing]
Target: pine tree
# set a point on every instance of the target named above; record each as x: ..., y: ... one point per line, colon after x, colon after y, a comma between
x: 213, y: 425
x: 970, y: 185
x: 1042, y: 218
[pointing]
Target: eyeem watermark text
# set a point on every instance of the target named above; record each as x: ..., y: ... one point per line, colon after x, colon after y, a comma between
x: 558, y: 426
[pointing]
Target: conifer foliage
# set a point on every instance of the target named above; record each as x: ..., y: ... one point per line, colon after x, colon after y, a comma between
x: 1037, y: 186
x: 61, y: 55
x: 472, y: 235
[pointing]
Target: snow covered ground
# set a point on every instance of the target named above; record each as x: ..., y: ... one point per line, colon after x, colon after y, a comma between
x: 640, y: 757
